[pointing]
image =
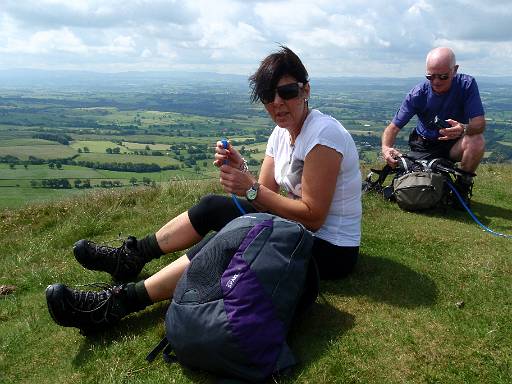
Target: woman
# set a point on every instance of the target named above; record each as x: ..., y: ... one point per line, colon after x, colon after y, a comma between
x: 309, y: 155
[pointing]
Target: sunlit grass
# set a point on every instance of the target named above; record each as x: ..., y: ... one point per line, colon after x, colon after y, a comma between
x: 397, y: 319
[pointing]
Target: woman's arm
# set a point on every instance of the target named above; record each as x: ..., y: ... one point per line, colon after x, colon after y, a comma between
x: 266, y: 177
x: 321, y: 167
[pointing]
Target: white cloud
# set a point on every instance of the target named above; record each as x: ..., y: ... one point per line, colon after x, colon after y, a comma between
x: 353, y: 37
x: 119, y: 44
x: 43, y: 42
x: 164, y: 49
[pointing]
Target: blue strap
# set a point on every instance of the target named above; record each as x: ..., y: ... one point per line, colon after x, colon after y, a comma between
x: 454, y: 190
x: 233, y: 196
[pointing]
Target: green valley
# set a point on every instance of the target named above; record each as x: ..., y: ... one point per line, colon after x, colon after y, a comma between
x: 122, y: 134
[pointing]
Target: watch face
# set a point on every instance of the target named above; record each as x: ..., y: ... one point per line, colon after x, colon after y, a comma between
x: 251, y: 194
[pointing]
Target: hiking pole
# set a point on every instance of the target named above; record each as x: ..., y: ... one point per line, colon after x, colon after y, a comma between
x: 461, y: 200
x: 233, y: 196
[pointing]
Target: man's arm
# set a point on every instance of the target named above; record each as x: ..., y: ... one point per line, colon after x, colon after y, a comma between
x: 388, y: 140
x: 475, y: 126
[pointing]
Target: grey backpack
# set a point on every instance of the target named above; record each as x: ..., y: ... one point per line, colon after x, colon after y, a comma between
x: 419, y: 190
x: 233, y: 306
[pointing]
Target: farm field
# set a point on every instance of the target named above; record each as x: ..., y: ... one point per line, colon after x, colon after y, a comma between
x: 39, y: 148
x: 135, y: 135
x: 126, y: 158
x: 16, y: 189
x: 40, y: 172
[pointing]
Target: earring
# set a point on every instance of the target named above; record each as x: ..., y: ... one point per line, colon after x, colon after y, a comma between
x: 306, y: 100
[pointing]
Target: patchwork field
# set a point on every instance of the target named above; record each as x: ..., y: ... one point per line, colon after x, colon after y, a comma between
x: 38, y: 148
x: 126, y: 158
x: 182, y: 123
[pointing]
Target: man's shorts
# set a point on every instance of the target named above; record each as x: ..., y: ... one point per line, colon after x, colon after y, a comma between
x: 425, y: 149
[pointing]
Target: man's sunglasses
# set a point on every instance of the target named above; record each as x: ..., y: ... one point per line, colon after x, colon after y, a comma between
x: 443, y: 76
x: 285, y: 92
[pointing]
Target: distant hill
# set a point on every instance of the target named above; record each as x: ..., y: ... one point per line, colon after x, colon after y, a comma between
x: 23, y: 78
x: 68, y: 80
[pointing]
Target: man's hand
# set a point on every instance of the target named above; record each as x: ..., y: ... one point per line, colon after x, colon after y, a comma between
x: 454, y: 132
x: 390, y: 154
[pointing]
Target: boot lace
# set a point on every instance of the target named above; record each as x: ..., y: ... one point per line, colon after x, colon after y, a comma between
x: 99, y: 303
x: 120, y: 258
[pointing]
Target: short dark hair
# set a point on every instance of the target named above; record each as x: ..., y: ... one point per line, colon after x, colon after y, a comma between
x: 272, y: 68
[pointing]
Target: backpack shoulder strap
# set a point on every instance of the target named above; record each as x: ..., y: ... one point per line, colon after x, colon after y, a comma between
x: 403, y: 165
x: 163, y: 345
x: 377, y: 185
x: 285, y: 361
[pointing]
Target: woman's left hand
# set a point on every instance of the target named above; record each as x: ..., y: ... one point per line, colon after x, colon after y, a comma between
x: 235, y: 181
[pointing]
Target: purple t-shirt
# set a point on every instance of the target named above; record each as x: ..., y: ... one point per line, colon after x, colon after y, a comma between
x: 461, y: 103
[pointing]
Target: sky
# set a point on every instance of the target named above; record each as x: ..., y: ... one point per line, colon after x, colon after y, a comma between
x: 332, y: 37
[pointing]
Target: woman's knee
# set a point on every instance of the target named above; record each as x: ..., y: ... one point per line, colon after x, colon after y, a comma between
x: 212, y: 212
x: 209, y: 203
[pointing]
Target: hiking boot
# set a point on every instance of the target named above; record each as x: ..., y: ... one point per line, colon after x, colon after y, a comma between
x: 465, y: 189
x: 124, y: 263
x: 87, y: 310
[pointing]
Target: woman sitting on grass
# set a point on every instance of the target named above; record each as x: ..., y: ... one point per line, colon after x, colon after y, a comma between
x: 310, y: 155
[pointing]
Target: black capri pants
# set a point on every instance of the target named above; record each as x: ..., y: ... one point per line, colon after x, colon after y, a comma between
x: 213, y: 212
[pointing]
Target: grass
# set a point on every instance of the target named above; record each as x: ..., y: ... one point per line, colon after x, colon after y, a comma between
x: 42, y: 171
x: 25, y: 142
x: 16, y: 190
x: 42, y: 151
x: 140, y: 146
x: 126, y: 158
x: 394, y: 320
x: 20, y: 195
x: 94, y: 146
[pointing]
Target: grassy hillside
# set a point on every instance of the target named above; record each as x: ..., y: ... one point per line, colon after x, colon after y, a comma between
x: 395, y: 320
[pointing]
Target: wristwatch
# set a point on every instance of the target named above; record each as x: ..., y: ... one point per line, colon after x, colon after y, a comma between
x: 252, y: 192
x: 465, y: 132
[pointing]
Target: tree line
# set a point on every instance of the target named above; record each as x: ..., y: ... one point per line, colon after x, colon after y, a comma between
x: 59, y: 138
x: 61, y: 183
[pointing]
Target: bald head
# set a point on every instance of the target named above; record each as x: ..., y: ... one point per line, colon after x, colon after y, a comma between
x: 441, y: 56
x: 441, y: 68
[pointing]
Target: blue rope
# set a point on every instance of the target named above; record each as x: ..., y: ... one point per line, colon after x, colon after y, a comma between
x: 237, y: 203
x: 454, y: 190
x: 233, y: 196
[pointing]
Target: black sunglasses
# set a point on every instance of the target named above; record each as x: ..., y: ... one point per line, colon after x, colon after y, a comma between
x: 285, y: 92
x: 443, y: 76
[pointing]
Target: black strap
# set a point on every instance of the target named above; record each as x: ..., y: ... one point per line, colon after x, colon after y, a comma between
x: 163, y: 345
x: 377, y: 185
x: 168, y: 358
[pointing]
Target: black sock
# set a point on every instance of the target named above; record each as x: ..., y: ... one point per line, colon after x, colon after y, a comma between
x: 137, y: 296
x: 465, y: 179
x: 149, y: 248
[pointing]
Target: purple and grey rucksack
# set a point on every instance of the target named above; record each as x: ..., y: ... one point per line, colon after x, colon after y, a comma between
x: 233, y: 306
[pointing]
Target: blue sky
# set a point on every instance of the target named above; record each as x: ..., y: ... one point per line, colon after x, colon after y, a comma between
x: 333, y: 37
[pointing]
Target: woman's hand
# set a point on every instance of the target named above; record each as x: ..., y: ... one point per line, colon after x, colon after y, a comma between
x: 227, y: 156
x: 235, y: 181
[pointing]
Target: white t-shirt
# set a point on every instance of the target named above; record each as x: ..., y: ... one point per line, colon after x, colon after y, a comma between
x: 343, y: 223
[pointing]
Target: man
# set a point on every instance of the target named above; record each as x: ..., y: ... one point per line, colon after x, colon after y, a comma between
x: 446, y: 99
